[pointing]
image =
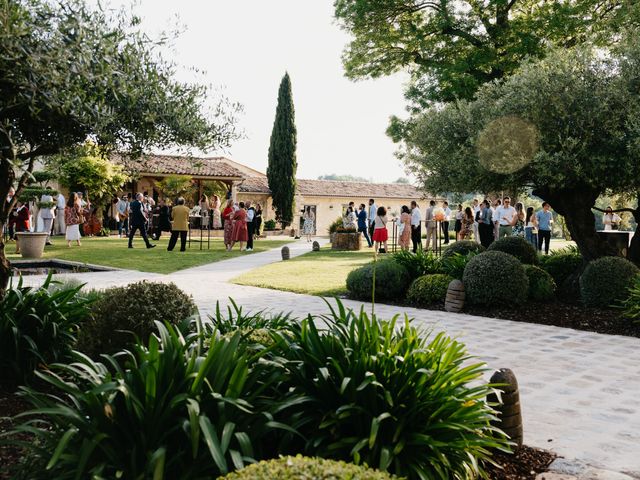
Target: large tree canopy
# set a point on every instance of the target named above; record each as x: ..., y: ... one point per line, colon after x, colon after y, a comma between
x: 69, y: 73
x: 565, y: 126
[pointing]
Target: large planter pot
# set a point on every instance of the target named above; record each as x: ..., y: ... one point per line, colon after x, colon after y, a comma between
x: 347, y: 241
x: 32, y: 244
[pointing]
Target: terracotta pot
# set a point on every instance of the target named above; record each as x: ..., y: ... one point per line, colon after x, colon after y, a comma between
x: 32, y: 244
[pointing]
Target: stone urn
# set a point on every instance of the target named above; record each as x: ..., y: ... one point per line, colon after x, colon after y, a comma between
x: 347, y: 241
x: 32, y: 243
x: 315, y: 246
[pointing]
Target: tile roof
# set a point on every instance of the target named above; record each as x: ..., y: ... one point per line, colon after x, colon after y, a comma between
x: 179, y: 165
x: 333, y: 188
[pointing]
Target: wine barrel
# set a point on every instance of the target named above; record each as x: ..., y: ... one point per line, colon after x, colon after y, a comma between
x: 454, y: 301
x: 508, y: 408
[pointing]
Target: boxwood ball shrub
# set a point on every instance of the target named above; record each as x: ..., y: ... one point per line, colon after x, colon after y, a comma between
x: 606, y: 281
x: 542, y: 288
x: 428, y: 289
x: 561, y: 265
x: 392, y: 281
x: 384, y: 394
x: 495, y: 278
x: 123, y: 313
x: 305, y: 468
x: 462, y: 247
x: 518, y: 247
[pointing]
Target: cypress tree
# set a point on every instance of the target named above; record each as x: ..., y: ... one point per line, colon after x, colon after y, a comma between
x: 281, y: 172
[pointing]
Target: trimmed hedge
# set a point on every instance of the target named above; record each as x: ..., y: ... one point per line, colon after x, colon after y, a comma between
x: 561, y: 265
x: 122, y: 312
x: 518, y: 247
x: 429, y: 289
x: 542, y: 288
x: 495, y: 278
x: 392, y: 281
x: 606, y: 281
x: 305, y: 468
x: 463, y: 247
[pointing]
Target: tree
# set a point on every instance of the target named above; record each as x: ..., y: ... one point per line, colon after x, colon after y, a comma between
x: 85, y: 169
x: 344, y: 178
x: 281, y: 171
x: 567, y: 127
x: 174, y: 186
x: 69, y: 73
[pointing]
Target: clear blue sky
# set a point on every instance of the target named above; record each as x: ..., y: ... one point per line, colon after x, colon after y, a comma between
x: 246, y: 46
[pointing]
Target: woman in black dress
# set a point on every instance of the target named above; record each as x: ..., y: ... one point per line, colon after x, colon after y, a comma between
x: 257, y: 220
x: 164, y: 219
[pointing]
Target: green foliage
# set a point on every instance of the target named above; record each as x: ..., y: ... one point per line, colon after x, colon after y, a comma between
x: 281, y: 171
x: 270, y: 225
x: 631, y: 306
x: 518, y: 247
x: 417, y: 264
x: 170, y: 412
x: 344, y: 178
x: 304, y: 468
x: 123, y: 314
x: 385, y: 395
x: 174, y: 186
x: 236, y: 319
x: 561, y: 264
x: 429, y: 289
x: 336, y: 225
x: 463, y: 247
x: 495, y: 279
x: 454, y: 265
x: 542, y: 287
x: 392, y: 280
x: 38, y: 326
x: 605, y: 281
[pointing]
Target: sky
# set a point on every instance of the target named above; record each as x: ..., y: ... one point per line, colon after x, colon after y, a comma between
x: 246, y: 47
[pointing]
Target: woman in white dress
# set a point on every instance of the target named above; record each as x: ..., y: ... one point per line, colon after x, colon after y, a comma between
x: 308, y: 227
x: 611, y: 220
x: 73, y: 218
x: 215, y: 213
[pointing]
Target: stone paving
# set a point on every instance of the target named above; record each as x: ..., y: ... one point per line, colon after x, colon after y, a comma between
x: 580, y: 391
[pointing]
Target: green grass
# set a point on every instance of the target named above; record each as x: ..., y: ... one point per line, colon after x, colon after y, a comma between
x: 316, y: 273
x: 113, y: 252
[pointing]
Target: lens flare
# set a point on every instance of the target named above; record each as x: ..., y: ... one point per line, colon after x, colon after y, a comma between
x: 507, y: 144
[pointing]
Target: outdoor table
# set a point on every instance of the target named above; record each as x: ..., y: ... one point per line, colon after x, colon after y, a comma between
x: 619, y: 239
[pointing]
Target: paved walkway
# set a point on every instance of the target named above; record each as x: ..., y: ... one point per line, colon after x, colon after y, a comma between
x: 580, y: 391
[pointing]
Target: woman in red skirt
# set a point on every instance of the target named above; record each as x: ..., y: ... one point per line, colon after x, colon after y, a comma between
x: 380, y: 234
x: 227, y: 217
x: 240, y: 233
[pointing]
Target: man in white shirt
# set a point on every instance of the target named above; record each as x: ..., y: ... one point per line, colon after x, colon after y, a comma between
x: 506, y: 215
x: 61, y: 203
x: 495, y: 220
x: 251, y: 213
x: 416, y: 231
x: 476, y: 214
x: 122, y: 211
x: 47, y: 214
x: 373, y: 211
x: 445, y: 222
x: 431, y: 226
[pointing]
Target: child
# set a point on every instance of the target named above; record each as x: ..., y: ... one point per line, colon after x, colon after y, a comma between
x: 380, y: 234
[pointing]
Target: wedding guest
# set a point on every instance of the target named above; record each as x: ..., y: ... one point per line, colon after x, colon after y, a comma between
x: 380, y: 233
x: 485, y: 225
x: 518, y: 221
x: 139, y: 220
x: 458, y: 225
x: 240, y: 234
x: 373, y: 208
x: 350, y: 220
x: 204, y: 205
x: 431, y: 226
x: 309, y: 223
x: 61, y: 203
x: 164, y: 218
x: 468, y: 220
x: 179, y: 225
x: 475, y: 207
x: 362, y: 224
x: 257, y: 219
x: 227, y: 218
x: 20, y: 221
x: 416, y: 230
x: 122, y: 210
x: 544, y: 218
x: 445, y: 221
x: 73, y: 218
x: 47, y: 213
x: 531, y: 227
x: 251, y: 226
x: 610, y: 220
x: 496, y: 221
x: 404, y: 233
x: 215, y: 213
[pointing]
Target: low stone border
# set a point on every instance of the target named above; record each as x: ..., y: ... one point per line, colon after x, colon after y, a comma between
x: 563, y: 469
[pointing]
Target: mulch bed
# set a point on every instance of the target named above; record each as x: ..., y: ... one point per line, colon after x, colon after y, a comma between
x: 525, y: 464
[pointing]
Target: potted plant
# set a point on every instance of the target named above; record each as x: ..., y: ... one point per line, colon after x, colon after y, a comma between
x: 32, y: 243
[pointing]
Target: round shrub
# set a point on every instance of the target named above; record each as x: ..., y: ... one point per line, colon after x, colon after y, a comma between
x: 606, y: 280
x: 495, y: 278
x: 518, y: 247
x: 462, y: 247
x: 542, y: 288
x: 561, y: 265
x: 429, y: 289
x: 305, y: 468
x: 133, y: 309
x: 392, y: 281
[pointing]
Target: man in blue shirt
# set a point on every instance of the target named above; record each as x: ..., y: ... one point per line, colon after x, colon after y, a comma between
x: 545, y: 219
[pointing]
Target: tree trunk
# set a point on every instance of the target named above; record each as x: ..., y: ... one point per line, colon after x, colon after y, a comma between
x: 5, y: 266
x: 575, y: 206
x: 634, y: 248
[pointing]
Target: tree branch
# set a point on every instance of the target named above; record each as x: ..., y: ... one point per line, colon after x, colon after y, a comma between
x: 634, y: 211
x: 38, y: 152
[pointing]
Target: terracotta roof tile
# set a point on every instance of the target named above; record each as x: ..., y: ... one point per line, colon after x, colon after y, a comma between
x: 332, y: 188
x: 179, y: 165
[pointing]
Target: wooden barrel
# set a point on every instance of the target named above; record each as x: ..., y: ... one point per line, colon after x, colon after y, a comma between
x: 454, y: 301
x: 509, y: 411
x: 285, y: 253
x: 316, y: 246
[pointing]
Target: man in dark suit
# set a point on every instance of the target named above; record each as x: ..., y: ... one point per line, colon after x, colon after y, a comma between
x: 138, y: 220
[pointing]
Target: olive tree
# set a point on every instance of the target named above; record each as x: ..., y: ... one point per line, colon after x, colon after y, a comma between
x: 565, y: 126
x: 70, y: 73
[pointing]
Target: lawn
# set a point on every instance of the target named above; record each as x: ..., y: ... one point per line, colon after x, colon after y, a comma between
x: 315, y: 273
x: 113, y: 252
x: 322, y: 273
